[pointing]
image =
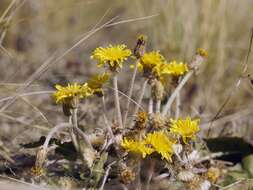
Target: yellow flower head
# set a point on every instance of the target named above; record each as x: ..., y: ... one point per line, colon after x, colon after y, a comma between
x: 202, y: 52
x: 111, y: 55
x: 65, y: 94
x: 174, y: 68
x: 187, y: 128
x: 97, y: 81
x: 150, y: 60
x: 138, y: 147
x: 161, y: 143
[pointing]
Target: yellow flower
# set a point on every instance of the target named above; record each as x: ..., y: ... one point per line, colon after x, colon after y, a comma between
x: 97, y: 81
x: 111, y: 55
x: 187, y: 128
x: 150, y: 60
x: 174, y: 68
x: 202, y: 52
x: 65, y: 94
x: 161, y: 144
x: 138, y: 147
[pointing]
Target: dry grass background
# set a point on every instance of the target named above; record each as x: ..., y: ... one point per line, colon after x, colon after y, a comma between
x: 42, y: 28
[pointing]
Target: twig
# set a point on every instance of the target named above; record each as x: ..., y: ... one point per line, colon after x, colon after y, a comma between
x: 176, y: 91
x: 132, y: 20
x: 27, y: 94
x: 4, y: 50
x: 7, y: 9
x: 9, y: 18
x: 35, y: 108
x: 116, y: 100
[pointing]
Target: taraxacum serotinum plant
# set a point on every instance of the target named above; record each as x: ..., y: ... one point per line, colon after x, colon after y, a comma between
x: 153, y: 146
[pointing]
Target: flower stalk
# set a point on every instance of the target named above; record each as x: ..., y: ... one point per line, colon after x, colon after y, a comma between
x: 72, y: 134
x: 76, y: 139
x: 130, y: 92
x: 105, y: 118
x: 150, y: 105
x: 158, y: 106
x: 178, y: 104
x: 57, y: 128
x: 116, y: 100
x: 140, y: 97
x: 167, y: 106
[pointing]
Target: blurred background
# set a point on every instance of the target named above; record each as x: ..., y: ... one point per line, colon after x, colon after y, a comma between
x: 33, y: 31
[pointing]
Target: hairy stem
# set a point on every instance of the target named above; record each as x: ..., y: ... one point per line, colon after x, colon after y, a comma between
x: 53, y: 131
x: 150, y: 105
x: 85, y: 138
x: 178, y: 104
x: 150, y: 174
x: 130, y: 92
x: 76, y: 140
x: 158, y: 106
x: 116, y: 100
x: 140, y: 97
x: 109, y: 129
x: 72, y: 134
x: 176, y: 91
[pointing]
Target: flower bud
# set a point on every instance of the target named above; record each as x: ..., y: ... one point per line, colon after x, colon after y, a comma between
x: 157, y: 90
x: 140, y: 46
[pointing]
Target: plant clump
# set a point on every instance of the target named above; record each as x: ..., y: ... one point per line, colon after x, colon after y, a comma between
x: 156, y: 139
